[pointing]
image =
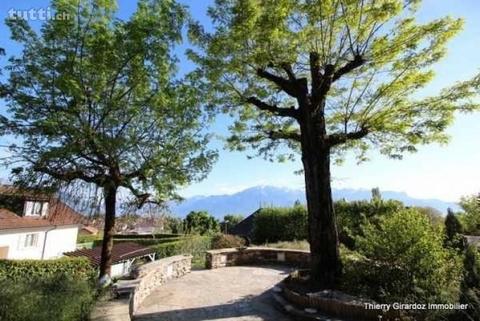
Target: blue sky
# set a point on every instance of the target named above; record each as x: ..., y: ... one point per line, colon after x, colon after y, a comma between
x: 445, y: 172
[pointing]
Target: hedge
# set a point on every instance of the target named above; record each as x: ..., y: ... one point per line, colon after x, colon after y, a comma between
x: 194, y: 245
x: 60, y: 290
x: 38, y: 269
x: 146, y: 236
x: 276, y: 224
x: 56, y: 297
x: 142, y: 241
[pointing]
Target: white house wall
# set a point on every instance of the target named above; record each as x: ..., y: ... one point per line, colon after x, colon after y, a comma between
x: 62, y: 239
x: 14, y: 240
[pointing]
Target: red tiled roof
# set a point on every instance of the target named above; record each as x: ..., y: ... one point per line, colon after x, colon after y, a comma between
x: 120, y: 252
x: 59, y: 213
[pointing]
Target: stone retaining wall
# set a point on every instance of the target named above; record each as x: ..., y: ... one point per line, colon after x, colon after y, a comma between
x: 256, y: 255
x: 156, y: 273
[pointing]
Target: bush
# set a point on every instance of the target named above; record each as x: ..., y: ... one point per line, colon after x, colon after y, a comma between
x: 55, y: 297
x: 352, y: 215
x: 222, y: 241
x: 201, y: 223
x: 195, y: 246
x: 276, y: 224
x: 402, y: 259
x: 32, y: 290
x: 88, y: 238
x: 146, y: 236
x: 79, y: 268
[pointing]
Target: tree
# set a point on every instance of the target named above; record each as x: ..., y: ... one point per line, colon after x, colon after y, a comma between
x: 97, y: 99
x: 321, y: 77
x: 229, y: 221
x: 453, y: 231
x: 200, y: 222
x: 470, y: 218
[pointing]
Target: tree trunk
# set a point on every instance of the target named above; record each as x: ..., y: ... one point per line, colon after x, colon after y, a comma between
x: 110, y: 192
x: 322, y: 229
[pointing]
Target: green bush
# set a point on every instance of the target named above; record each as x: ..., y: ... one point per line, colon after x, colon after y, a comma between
x: 222, y: 241
x: 276, y: 224
x: 352, y: 215
x: 146, y: 236
x: 54, y: 297
x: 35, y: 269
x: 201, y: 223
x: 402, y: 259
x: 32, y: 290
x: 195, y: 246
x: 88, y: 238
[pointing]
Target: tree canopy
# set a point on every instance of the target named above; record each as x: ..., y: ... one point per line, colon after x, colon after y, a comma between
x: 98, y: 99
x: 366, y: 58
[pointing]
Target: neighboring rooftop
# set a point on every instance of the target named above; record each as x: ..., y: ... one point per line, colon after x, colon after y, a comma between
x: 120, y: 252
x: 59, y: 213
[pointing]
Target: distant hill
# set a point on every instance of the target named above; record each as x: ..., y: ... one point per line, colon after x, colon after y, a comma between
x: 249, y: 200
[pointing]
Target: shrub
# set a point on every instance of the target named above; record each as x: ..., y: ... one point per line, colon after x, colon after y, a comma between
x: 404, y: 261
x: 222, y: 241
x: 146, y: 236
x: 201, y: 223
x: 195, y: 246
x: 276, y: 224
x: 62, y: 289
x: 88, y: 238
x: 35, y: 269
x: 352, y: 215
x: 54, y: 297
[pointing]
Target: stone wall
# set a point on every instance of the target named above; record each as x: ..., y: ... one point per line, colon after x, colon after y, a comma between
x: 256, y: 255
x: 156, y: 273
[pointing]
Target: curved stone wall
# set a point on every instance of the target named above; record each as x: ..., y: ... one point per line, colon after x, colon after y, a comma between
x: 256, y: 255
x: 156, y: 273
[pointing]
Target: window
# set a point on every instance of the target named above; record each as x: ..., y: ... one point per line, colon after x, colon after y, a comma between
x: 35, y: 208
x: 31, y: 240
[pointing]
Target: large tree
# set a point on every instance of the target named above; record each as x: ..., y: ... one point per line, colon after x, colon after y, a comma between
x: 321, y: 77
x: 97, y: 99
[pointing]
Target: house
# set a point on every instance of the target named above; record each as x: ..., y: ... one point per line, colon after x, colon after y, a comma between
x: 34, y: 225
x: 125, y: 255
x: 244, y: 228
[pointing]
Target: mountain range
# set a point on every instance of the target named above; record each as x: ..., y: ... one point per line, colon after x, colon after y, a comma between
x: 247, y: 201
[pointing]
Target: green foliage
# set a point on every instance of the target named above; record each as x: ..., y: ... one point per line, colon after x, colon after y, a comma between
x: 405, y: 261
x: 471, y: 285
x: 359, y: 65
x: 46, y: 297
x: 174, y: 224
x: 35, y: 269
x: 229, y: 221
x: 223, y: 241
x: 352, y: 215
x: 32, y: 290
x: 470, y: 218
x: 275, y: 224
x: 453, y: 231
x: 88, y: 238
x: 195, y: 246
x: 98, y: 99
x: 200, y: 222
x: 146, y: 236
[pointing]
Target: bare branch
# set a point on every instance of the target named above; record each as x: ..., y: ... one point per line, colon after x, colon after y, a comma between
x: 348, y: 67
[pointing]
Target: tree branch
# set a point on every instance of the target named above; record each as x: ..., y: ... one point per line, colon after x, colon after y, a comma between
x: 282, y: 112
x: 286, y: 85
x: 340, y: 138
x: 348, y: 67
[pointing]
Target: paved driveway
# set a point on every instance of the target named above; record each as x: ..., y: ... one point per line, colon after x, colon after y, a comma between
x: 231, y: 293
